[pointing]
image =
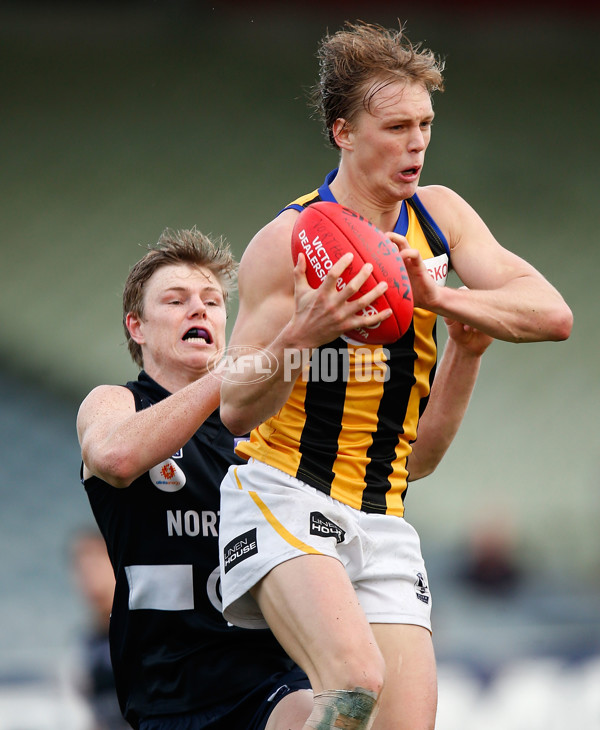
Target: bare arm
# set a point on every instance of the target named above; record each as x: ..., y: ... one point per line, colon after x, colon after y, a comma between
x: 281, y: 313
x: 118, y: 443
x: 450, y: 396
x: 506, y: 298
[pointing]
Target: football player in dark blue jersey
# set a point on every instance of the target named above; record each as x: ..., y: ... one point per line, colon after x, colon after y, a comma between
x: 154, y: 454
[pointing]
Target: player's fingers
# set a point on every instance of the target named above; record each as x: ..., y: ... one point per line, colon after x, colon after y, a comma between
x: 337, y: 270
x: 364, y: 319
x: 357, y: 281
x: 399, y: 240
x: 300, y: 280
x: 365, y: 299
x: 410, y: 256
x: 300, y: 267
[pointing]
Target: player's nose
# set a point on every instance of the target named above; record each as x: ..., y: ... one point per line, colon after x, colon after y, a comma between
x: 197, y: 307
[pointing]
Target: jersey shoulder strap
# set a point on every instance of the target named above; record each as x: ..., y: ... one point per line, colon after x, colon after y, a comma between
x: 435, y: 238
x: 300, y: 203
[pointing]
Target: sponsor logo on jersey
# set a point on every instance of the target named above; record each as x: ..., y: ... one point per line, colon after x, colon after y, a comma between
x: 167, y: 476
x: 324, y: 527
x: 438, y: 268
x: 239, y: 549
x: 422, y: 589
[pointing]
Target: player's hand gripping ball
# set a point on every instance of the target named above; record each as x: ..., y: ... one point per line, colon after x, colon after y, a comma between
x: 324, y: 232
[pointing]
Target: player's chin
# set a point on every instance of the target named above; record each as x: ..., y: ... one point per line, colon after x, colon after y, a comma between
x: 407, y: 189
x: 202, y: 359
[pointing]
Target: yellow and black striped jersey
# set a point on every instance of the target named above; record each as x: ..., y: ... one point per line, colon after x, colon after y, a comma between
x: 348, y: 426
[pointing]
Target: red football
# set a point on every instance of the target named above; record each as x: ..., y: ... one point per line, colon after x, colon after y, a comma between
x: 324, y: 232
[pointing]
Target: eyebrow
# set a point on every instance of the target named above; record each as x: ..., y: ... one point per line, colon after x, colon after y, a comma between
x: 408, y: 117
x: 207, y: 289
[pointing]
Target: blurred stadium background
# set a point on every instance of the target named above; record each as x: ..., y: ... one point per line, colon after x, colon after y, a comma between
x: 120, y: 119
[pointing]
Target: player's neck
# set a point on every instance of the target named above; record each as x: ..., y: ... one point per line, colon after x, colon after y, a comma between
x: 356, y: 196
x: 173, y: 381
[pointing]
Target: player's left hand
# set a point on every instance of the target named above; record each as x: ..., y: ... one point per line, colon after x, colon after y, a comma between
x: 426, y: 293
x: 468, y: 337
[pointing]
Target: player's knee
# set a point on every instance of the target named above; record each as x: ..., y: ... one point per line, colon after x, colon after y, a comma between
x: 363, y: 669
x: 343, y: 708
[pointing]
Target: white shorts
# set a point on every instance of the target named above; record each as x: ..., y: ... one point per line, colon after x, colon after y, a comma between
x: 268, y: 517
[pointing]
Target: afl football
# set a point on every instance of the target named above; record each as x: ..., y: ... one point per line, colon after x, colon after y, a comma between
x: 324, y: 232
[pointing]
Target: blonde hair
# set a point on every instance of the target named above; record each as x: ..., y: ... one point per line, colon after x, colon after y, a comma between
x: 360, y: 59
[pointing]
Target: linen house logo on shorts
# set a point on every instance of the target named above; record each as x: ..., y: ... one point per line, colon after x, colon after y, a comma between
x: 239, y: 549
x: 324, y: 527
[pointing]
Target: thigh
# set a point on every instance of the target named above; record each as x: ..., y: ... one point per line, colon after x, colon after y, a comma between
x: 292, y: 711
x: 312, y: 608
x: 267, y: 519
x: 409, y: 697
x: 286, y: 704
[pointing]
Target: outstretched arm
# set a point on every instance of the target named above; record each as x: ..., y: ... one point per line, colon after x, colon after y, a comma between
x: 118, y: 443
x: 506, y: 298
x: 449, y: 398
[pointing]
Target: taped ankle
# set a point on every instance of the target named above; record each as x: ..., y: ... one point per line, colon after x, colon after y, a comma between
x: 342, y: 708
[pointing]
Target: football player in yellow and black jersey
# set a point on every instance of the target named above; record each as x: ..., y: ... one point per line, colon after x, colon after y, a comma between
x: 313, y: 536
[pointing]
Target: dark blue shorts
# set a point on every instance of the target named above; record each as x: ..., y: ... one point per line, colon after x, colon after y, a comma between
x: 250, y: 713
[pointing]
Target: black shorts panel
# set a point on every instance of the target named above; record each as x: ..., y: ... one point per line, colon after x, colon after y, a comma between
x: 249, y: 713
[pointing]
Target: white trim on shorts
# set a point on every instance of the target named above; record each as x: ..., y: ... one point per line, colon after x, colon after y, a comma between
x: 268, y: 517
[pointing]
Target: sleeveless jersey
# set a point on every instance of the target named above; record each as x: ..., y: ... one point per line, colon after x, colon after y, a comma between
x: 171, y: 649
x: 348, y: 426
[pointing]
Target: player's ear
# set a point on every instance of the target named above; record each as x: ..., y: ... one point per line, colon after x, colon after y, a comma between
x: 134, y: 323
x: 341, y: 130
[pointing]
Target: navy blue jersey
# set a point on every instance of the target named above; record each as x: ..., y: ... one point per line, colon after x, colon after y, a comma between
x: 172, y: 651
